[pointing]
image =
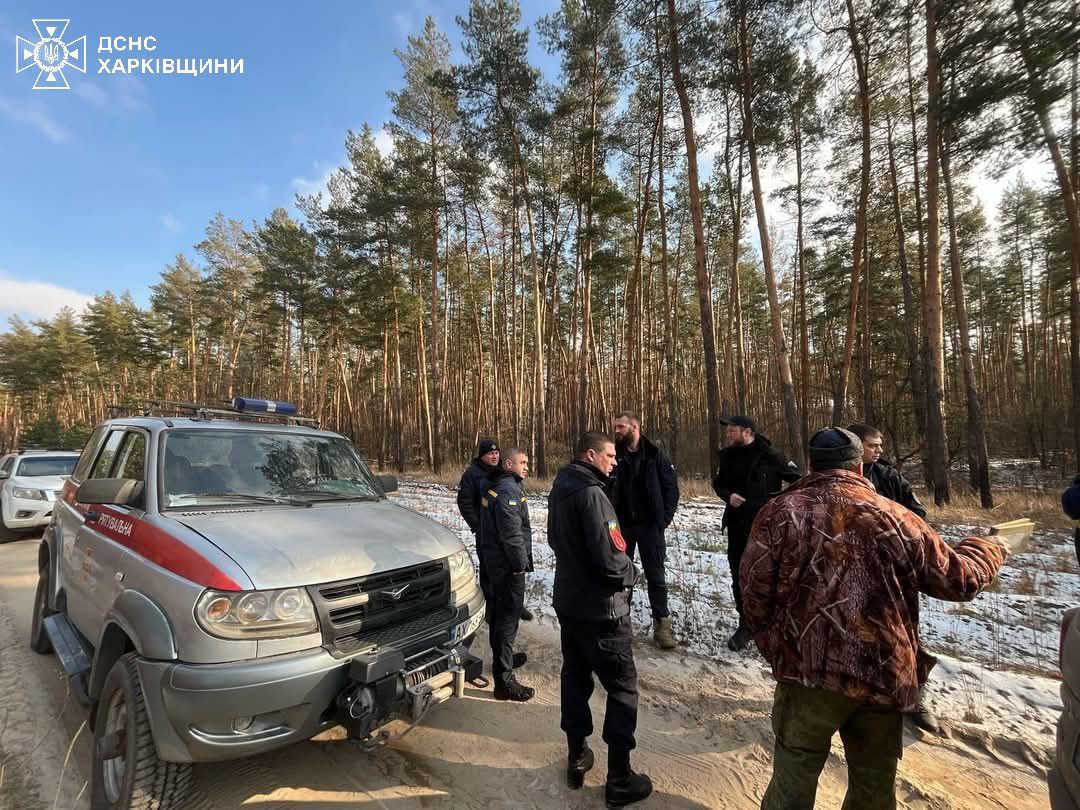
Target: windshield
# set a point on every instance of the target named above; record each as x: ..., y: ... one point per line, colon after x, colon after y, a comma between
x: 218, y: 467
x: 49, y: 465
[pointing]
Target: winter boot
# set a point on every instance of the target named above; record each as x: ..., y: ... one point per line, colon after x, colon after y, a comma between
x: 623, y: 785
x: 526, y: 614
x: 740, y: 639
x: 514, y: 691
x: 579, y: 761
x: 663, y: 634
x: 923, y: 716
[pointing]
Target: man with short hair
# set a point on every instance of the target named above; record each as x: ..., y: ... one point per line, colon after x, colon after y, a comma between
x: 831, y: 582
x: 474, y: 481
x: 749, y: 472
x: 645, y: 495
x: 504, y: 543
x: 593, y: 579
x: 887, y: 480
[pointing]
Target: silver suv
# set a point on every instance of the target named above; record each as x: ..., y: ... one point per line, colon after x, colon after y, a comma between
x: 218, y: 584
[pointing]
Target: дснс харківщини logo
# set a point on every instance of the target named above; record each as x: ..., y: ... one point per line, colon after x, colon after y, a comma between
x: 50, y: 54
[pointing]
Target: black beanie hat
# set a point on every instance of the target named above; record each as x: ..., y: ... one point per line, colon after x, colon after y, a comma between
x: 486, y: 446
x: 834, y: 445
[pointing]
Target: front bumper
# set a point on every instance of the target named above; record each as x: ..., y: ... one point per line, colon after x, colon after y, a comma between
x: 209, y: 712
x: 1064, y: 777
x: 20, y: 513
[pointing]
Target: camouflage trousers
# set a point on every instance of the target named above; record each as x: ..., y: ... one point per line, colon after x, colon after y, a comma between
x: 804, y: 721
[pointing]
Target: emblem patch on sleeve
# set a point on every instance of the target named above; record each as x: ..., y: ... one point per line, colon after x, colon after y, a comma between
x: 616, y: 536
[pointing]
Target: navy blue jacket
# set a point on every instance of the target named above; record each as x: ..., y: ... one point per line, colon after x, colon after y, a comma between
x: 658, y: 484
x: 593, y: 575
x: 475, y: 479
x: 504, y: 542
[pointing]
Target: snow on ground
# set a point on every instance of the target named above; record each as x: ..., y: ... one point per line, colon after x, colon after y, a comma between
x: 998, y: 654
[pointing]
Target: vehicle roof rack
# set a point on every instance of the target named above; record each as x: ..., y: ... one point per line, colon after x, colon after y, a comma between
x: 23, y: 450
x: 163, y: 409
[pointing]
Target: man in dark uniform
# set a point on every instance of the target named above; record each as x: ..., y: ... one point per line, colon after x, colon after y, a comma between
x: 645, y: 495
x: 886, y: 479
x: 593, y: 579
x: 749, y: 472
x: 474, y: 481
x: 504, y: 543
x: 1070, y: 503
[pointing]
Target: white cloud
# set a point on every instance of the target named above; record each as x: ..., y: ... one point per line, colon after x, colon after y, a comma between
x: 384, y: 142
x: 35, y: 114
x: 36, y: 299
x: 307, y: 186
x: 170, y: 223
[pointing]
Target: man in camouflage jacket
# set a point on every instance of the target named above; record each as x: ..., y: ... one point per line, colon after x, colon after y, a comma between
x: 831, y: 580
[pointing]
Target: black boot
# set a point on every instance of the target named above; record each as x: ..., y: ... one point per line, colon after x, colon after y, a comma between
x: 579, y: 761
x: 526, y: 614
x: 513, y: 691
x: 740, y: 639
x: 923, y: 716
x: 623, y: 785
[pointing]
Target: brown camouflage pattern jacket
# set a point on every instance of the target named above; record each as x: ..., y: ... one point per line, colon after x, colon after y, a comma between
x: 831, y: 580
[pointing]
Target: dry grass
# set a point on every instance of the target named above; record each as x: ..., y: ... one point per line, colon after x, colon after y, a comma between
x: 1009, y: 504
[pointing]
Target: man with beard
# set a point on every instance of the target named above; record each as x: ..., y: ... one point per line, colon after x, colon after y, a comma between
x: 504, y: 543
x: 749, y: 472
x: 593, y: 579
x: 474, y: 481
x: 645, y: 495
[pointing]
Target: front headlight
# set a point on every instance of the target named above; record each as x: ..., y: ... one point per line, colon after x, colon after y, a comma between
x: 256, y: 614
x: 462, y: 570
x: 28, y: 494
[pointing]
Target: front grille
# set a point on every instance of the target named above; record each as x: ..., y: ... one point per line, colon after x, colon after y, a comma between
x: 384, y: 607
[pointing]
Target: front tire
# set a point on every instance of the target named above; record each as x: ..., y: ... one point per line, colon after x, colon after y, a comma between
x: 39, y: 639
x: 126, y: 773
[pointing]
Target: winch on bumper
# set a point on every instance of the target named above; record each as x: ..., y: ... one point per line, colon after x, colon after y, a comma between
x: 392, y: 685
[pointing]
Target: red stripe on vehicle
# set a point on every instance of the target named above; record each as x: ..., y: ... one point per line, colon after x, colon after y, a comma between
x: 161, y: 548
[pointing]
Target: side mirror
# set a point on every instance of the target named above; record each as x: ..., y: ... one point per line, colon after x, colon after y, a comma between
x: 388, y: 482
x: 115, y: 491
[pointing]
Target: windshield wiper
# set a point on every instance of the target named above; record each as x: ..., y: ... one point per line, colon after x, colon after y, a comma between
x: 337, y: 496
x: 248, y: 497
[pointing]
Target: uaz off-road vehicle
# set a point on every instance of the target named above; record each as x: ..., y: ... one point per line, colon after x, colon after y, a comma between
x: 221, y: 583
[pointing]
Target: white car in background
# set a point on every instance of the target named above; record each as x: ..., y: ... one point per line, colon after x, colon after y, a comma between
x: 30, y: 482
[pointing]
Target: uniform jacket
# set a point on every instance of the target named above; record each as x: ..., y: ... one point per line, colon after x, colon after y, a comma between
x: 831, y: 580
x: 504, y: 541
x: 658, y: 483
x: 755, y: 471
x: 1070, y: 501
x: 474, y: 481
x: 888, y: 481
x: 593, y: 575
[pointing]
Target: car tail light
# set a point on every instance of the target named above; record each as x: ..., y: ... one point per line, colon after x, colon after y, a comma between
x: 1066, y: 623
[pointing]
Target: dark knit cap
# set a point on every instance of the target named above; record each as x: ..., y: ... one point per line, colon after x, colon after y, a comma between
x: 834, y: 445
x: 486, y: 446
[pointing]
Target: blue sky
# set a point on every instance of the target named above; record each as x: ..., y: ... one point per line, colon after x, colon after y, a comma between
x: 109, y: 181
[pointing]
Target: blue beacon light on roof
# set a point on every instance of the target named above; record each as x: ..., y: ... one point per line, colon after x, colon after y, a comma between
x: 246, y: 405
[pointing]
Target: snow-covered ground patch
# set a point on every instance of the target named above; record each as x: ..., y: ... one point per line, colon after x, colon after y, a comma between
x: 998, y: 654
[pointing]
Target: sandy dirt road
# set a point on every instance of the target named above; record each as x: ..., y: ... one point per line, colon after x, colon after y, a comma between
x: 703, y: 736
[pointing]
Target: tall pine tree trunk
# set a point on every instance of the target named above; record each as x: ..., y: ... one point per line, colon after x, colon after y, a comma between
x: 935, y: 371
x: 783, y: 361
x: 712, y: 381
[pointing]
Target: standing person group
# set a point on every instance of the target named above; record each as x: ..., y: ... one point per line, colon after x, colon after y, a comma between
x: 826, y: 580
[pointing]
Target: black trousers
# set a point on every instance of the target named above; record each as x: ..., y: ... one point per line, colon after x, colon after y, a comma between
x: 650, y: 540
x: 738, y: 533
x: 504, y: 612
x: 603, y: 649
